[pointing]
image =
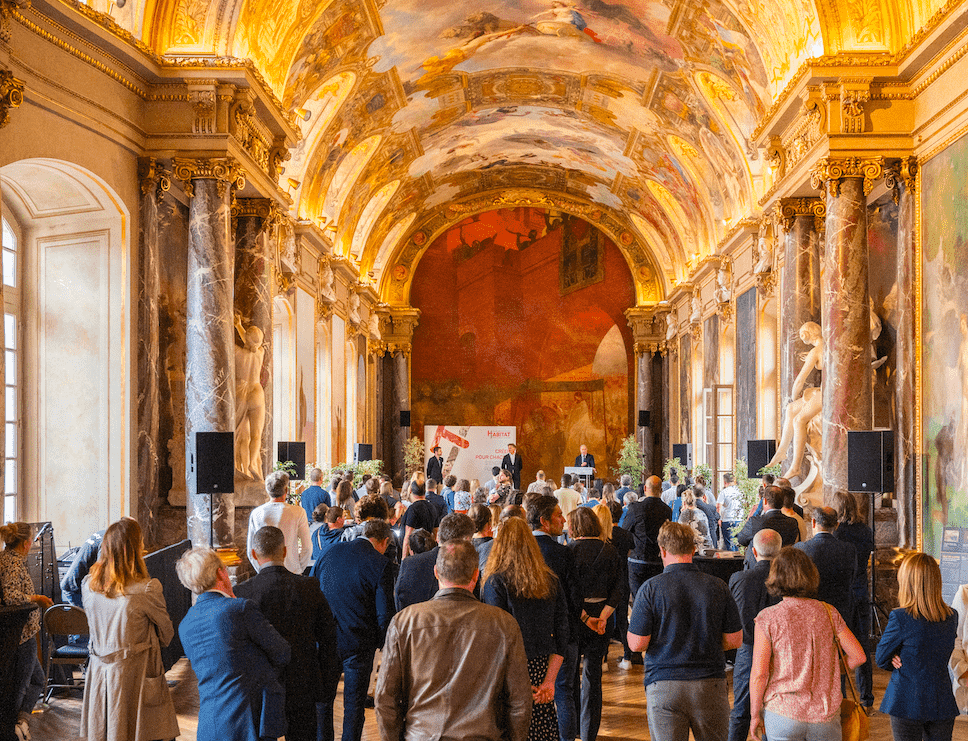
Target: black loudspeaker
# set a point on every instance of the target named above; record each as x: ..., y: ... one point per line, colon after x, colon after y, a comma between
x: 295, y: 452
x: 362, y: 452
x: 645, y: 418
x: 405, y: 418
x: 214, y: 462
x: 683, y: 451
x: 758, y: 454
x: 870, y: 460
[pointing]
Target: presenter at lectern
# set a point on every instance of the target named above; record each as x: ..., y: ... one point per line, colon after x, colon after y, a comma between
x: 584, y: 460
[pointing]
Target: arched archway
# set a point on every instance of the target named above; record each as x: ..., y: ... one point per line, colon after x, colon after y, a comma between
x: 72, y: 354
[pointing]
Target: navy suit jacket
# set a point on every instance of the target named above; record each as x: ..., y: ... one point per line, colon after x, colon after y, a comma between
x: 416, y: 582
x: 236, y: 656
x: 561, y: 560
x: 357, y: 581
x: 773, y: 519
x: 589, y: 459
x: 837, y: 563
x: 297, y: 608
x: 749, y: 591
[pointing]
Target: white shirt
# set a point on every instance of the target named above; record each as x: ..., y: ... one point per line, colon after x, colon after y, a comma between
x: 292, y: 521
x: 731, y: 503
x: 568, y: 499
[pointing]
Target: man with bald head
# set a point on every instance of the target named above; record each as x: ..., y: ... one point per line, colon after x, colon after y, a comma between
x: 749, y: 590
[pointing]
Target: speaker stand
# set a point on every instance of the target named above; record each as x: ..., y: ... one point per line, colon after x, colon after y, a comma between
x: 877, y: 609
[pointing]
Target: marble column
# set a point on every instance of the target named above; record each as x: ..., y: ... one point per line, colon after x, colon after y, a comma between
x: 154, y: 183
x: 905, y: 180
x: 845, y: 323
x: 665, y: 418
x: 400, y: 402
x: 254, y: 218
x: 210, y: 341
x: 643, y: 402
x: 799, y: 289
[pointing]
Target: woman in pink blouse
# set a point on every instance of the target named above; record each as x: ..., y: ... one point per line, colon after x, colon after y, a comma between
x: 795, y: 680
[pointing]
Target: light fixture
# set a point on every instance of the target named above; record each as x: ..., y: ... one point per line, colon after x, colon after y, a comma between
x: 294, y: 184
x: 304, y: 114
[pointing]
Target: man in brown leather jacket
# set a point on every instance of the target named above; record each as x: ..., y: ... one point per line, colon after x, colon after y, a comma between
x: 454, y: 668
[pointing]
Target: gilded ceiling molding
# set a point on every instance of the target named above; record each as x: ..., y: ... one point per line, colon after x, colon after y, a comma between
x: 788, y: 209
x: 225, y: 170
x: 828, y: 172
x: 8, y: 10
x: 153, y: 176
x: 397, y: 276
x: 11, y: 95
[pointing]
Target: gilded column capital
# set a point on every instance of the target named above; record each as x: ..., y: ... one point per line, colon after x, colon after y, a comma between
x: 399, y: 324
x: 788, y: 209
x: 828, y: 172
x: 903, y: 171
x: 225, y: 170
x: 7, y: 8
x: 11, y: 91
x: 153, y: 176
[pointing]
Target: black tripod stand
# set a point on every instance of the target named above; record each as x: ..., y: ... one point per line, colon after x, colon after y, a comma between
x: 878, y: 611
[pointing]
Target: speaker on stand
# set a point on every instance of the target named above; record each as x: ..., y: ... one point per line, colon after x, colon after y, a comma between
x: 870, y: 469
x: 683, y: 451
x: 214, y: 467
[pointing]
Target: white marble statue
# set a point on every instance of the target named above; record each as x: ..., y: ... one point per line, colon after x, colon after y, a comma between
x: 375, y: 334
x: 803, y: 408
x: 326, y: 289
x: 695, y: 304
x: 250, y: 402
x: 672, y: 327
x: 722, y: 293
x: 353, y: 312
x: 764, y: 263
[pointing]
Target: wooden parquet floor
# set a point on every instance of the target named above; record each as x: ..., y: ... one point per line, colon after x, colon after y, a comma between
x: 623, y: 716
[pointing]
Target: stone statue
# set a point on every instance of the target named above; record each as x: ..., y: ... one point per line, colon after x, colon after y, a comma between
x: 327, y: 291
x: 672, y: 326
x: 250, y: 402
x: 353, y: 313
x: 802, y: 411
x: 696, y: 306
x: 722, y: 293
x: 375, y: 328
x: 765, y: 250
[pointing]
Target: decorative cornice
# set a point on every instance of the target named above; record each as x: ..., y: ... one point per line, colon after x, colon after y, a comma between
x: 225, y: 170
x: 788, y: 209
x: 8, y: 10
x: 11, y: 93
x: 153, y: 176
x: 828, y: 172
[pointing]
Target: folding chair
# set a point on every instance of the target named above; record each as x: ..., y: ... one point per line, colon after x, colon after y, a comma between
x: 65, y: 621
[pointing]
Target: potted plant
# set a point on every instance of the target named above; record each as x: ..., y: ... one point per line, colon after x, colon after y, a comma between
x: 630, y: 461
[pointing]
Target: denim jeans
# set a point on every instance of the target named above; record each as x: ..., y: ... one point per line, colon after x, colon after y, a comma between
x: 781, y: 728
x: 677, y: 706
x: 29, y: 679
x: 739, y: 716
x: 730, y: 527
x: 565, y: 695
x: 921, y: 730
x: 356, y: 680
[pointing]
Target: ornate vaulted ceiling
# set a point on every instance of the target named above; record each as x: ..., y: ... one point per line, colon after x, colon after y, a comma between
x: 637, y: 114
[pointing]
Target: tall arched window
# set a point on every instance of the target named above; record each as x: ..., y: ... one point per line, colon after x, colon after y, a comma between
x: 11, y: 327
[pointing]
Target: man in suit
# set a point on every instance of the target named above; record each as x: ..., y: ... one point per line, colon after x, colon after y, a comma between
x: 435, y: 466
x: 836, y: 560
x: 512, y: 462
x: 357, y: 580
x: 547, y: 524
x: 296, y: 607
x: 749, y: 590
x: 584, y: 460
x: 235, y: 653
x: 417, y: 582
x: 772, y: 518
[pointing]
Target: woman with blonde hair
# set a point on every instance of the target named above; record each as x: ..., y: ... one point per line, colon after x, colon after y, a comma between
x: 517, y: 580
x: 16, y: 588
x: 604, y: 515
x: 695, y: 518
x: 598, y: 577
x: 795, y: 679
x: 126, y: 695
x: 915, y: 647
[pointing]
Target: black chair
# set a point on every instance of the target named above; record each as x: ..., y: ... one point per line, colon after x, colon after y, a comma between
x: 65, y: 621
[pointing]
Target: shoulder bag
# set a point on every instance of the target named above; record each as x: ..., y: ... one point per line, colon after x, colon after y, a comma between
x: 854, y: 723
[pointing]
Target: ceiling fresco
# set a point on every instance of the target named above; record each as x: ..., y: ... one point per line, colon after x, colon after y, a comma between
x: 639, y: 109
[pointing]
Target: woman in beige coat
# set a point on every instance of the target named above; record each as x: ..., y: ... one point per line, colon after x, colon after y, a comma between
x: 126, y: 697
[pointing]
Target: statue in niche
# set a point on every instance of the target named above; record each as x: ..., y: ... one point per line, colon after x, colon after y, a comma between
x: 327, y: 291
x: 671, y: 327
x: 803, y: 408
x: 353, y: 312
x: 764, y: 263
x: 250, y: 401
x: 696, y: 305
x: 722, y: 293
x: 375, y: 334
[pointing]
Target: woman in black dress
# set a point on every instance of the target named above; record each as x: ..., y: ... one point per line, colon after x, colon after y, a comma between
x: 517, y: 580
x: 598, y: 572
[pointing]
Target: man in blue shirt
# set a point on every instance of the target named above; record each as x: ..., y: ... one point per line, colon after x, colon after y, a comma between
x: 315, y: 494
x: 684, y: 620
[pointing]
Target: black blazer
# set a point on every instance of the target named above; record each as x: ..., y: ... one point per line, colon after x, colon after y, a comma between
x: 589, y: 459
x: 296, y: 607
x: 514, y: 468
x: 749, y: 591
x: 435, y: 469
x: 773, y: 519
x: 416, y: 582
x: 837, y: 563
x: 561, y: 560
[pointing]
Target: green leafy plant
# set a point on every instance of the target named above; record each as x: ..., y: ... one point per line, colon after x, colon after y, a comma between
x: 373, y: 468
x: 669, y: 465
x: 749, y: 491
x: 776, y: 469
x: 289, y: 468
x: 630, y: 461
x: 413, y: 456
x: 701, y: 469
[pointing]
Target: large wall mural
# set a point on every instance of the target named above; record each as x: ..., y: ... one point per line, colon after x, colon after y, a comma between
x: 501, y: 341
x: 944, y: 358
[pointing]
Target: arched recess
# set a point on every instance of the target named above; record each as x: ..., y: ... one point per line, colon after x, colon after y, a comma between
x: 396, y: 279
x: 73, y: 344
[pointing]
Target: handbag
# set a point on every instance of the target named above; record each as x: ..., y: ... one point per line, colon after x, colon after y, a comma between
x: 854, y: 723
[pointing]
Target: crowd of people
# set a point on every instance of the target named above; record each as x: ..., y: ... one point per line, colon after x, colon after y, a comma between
x: 484, y: 611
